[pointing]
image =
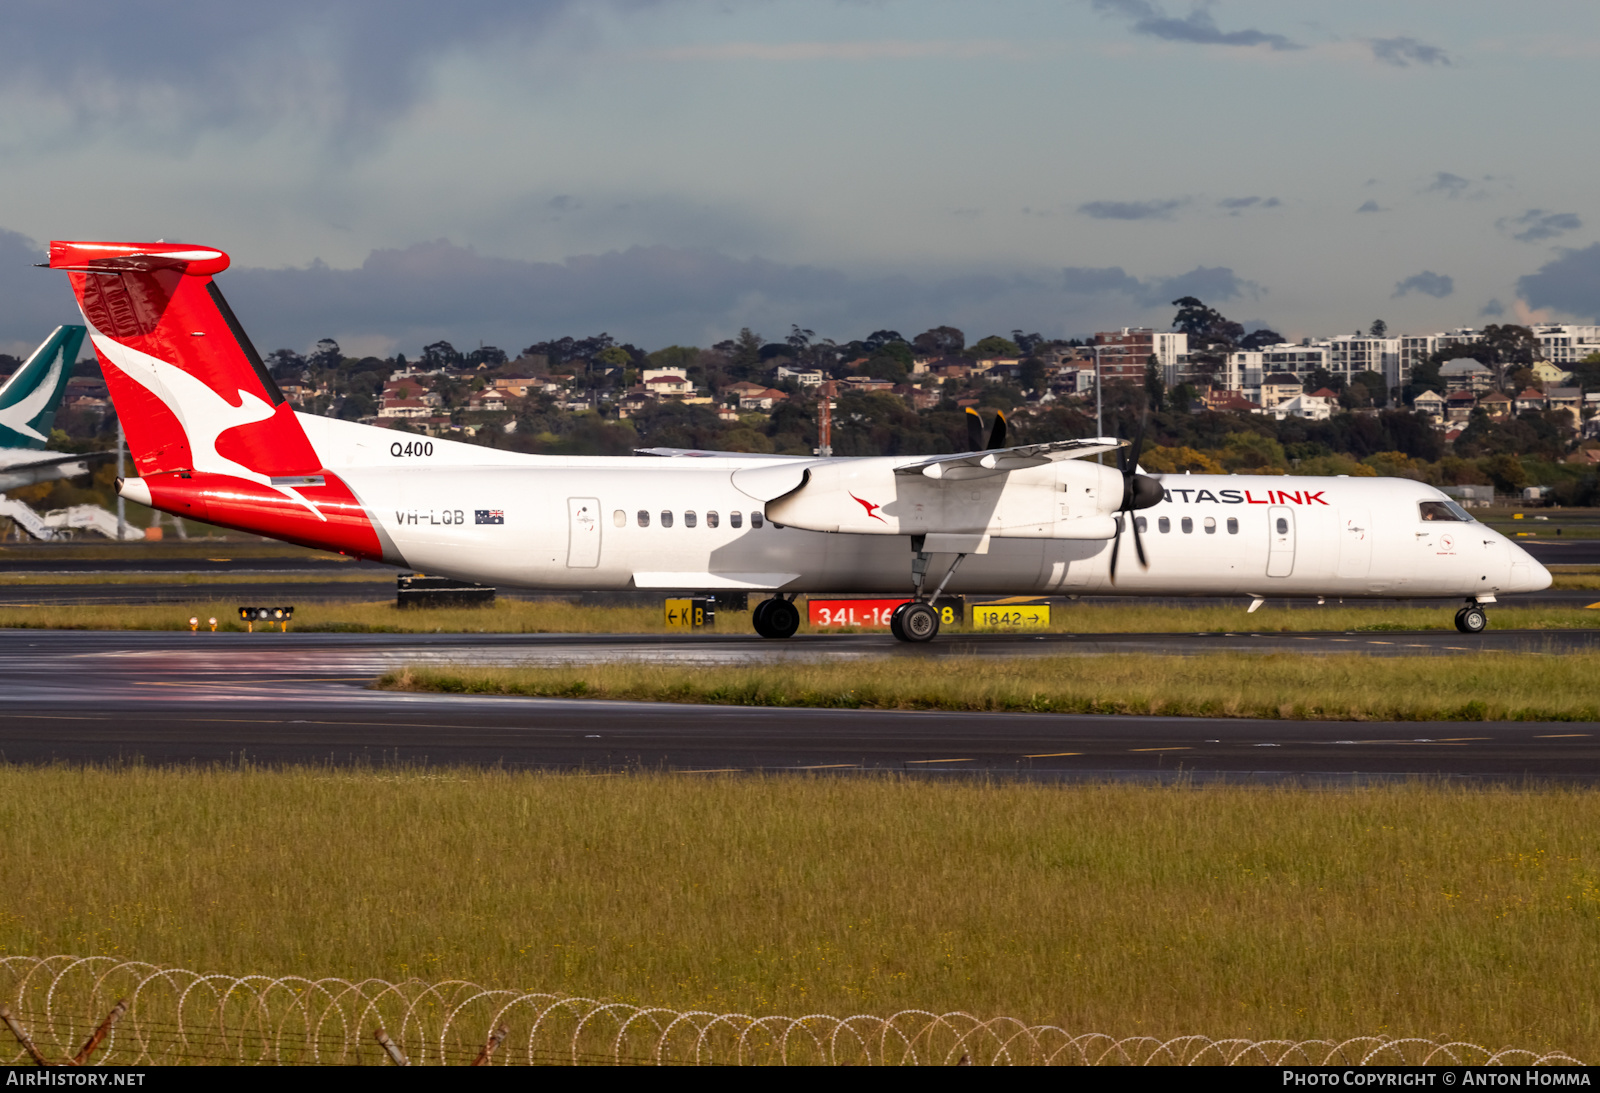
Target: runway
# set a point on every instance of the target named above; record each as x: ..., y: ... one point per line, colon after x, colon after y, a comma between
x: 273, y: 698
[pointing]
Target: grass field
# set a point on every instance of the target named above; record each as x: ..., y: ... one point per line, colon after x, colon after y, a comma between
x: 1468, y: 687
x: 1228, y: 911
x: 557, y: 617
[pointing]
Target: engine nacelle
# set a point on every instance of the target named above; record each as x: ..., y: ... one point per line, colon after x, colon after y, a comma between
x: 1069, y: 499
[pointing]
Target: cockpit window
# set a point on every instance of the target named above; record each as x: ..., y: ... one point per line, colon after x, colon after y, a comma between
x: 1443, y: 510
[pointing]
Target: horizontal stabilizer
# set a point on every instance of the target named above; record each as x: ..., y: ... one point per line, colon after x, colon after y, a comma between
x: 1000, y: 460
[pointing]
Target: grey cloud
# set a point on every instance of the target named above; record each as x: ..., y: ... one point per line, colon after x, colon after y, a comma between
x: 652, y: 296
x: 1132, y: 210
x: 1209, y: 283
x: 174, y: 68
x: 562, y: 203
x: 1448, y: 184
x: 966, y: 214
x: 1236, y: 205
x: 1370, y: 206
x: 1197, y: 27
x: 1088, y: 280
x: 1536, y: 225
x: 1569, y: 284
x: 1404, y: 52
x: 37, y: 300
x: 1428, y: 283
x: 1493, y: 309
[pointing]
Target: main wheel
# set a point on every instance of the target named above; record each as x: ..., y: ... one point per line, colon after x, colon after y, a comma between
x: 894, y: 621
x: 758, y: 619
x: 782, y: 619
x: 1471, y: 620
x: 918, y: 622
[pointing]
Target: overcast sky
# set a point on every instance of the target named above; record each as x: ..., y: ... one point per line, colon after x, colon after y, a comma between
x: 388, y: 173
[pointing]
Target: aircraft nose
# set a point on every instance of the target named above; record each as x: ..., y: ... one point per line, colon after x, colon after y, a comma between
x: 1527, y: 574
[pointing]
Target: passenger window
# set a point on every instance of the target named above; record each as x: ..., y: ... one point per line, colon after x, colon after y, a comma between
x: 1187, y: 525
x: 1442, y: 510
x: 644, y: 518
x: 1233, y: 525
x: 1140, y: 523
x: 736, y: 518
x: 1211, y: 525
x: 1163, y: 525
x: 755, y: 519
x: 666, y: 518
x: 1283, y: 526
x: 620, y: 518
x: 711, y: 520
x: 689, y: 519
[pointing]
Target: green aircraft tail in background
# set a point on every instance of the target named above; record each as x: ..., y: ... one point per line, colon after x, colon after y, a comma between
x: 30, y: 398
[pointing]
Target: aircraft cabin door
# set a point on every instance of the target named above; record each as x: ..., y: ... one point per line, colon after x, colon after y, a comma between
x: 1355, y: 542
x: 583, y: 532
x: 1280, y: 553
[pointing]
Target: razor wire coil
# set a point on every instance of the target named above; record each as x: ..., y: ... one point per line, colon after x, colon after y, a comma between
x: 176, y: 1016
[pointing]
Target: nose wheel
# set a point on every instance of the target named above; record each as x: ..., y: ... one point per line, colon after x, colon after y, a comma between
x: 1472, y: 619
x: 914, y: 621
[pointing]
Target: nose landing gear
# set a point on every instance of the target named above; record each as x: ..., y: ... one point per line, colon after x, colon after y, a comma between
x: 919, y: 620
x: 1472, y: 619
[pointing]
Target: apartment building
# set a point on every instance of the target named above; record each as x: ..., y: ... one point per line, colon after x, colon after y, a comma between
x: 1124, y: 353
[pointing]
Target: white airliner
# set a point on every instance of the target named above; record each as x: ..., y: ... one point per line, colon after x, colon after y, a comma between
x: 213, y: 439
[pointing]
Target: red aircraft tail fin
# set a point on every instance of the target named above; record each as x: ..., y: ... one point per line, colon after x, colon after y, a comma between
x: 209, y: 431
x: 191, y: 391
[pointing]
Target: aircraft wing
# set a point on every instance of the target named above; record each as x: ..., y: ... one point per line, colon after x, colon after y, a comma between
x: 14, y: 459
x: 1001, y: 460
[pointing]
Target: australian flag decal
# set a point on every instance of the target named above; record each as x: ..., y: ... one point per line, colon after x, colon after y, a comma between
x: 491, y: 516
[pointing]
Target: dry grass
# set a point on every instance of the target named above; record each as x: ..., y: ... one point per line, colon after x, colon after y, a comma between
x: 1469, y: 687
x: 1230, y: 911
x: 559, y: 617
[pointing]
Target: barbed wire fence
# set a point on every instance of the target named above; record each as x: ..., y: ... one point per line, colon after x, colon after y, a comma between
x: 69, y: 1010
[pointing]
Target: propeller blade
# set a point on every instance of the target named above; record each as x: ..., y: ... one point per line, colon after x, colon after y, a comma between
x: 1138, y: 544
x: 974, y: 431
x: 1116, y: 546
x: 997, y: 437
x: 1138, y: 440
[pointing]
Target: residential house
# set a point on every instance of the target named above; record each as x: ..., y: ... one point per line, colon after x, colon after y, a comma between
x: 668, y: 385
x: 1466, y: 374
x: 1431, y: 403
x: 1459, y: 405
x: 762, y: 400
x: 1549, y: 375
x: 517, y: 386
x: 1530, y: 399
x: 1222, y: 400
x: 1310, y: 407
x: 1278, y: 388
x: 1569, y: 399
x: 805, y: 377
x: 1496, y: 404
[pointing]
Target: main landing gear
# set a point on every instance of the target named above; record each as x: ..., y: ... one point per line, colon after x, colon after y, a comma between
x: 919, y: 620
x: 1472, y: 619
x: 776, y: 618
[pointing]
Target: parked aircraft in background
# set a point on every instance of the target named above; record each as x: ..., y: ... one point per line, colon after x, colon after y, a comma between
x: 214, y: 440
x: 28, y: 404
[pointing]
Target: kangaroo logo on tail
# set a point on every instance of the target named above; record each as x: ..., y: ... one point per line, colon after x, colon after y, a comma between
x: 211, y: 434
